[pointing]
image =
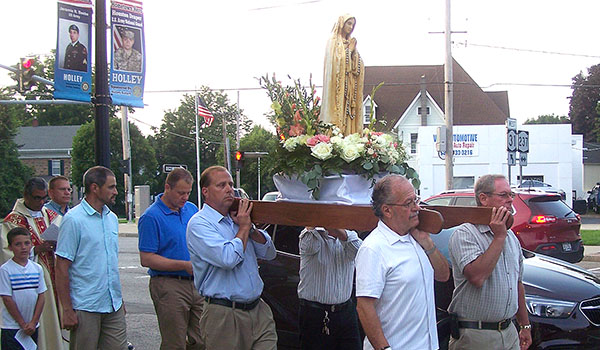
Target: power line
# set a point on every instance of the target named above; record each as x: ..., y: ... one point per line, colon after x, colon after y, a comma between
x: 530, y: 50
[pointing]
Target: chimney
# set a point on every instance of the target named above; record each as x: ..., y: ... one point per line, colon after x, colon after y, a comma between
x: 35, y: 122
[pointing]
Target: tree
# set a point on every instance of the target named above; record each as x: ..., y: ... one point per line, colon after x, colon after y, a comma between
x: 258, y: 140
x: 549, y: 119
x: 143, y: 160
x: 175, y: 144
x: 582, y: 109
x: 13, y: 173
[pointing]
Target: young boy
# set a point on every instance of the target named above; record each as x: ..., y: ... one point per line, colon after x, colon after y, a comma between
x: 22, y: 289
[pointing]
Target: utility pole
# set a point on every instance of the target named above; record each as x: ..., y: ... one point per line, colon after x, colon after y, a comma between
x: 127, y: 163
x: 102, y: 98
x: 448, y: 101
x: 237, y: 138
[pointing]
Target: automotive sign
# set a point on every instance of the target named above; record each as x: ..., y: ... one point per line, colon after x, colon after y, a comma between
x: 464, y: 145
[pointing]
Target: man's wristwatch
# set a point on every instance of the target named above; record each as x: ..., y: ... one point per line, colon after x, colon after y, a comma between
x: 253, y: 228
x: 527, y: 326
x: 386, y: 348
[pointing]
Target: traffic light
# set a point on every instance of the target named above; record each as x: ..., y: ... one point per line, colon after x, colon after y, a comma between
x: 124, y: 167
x: 26, y: 74
x: 239, y: 159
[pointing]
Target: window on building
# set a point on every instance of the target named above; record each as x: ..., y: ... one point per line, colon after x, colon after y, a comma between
x: 419, y: 110
x: 459, y: 182
x: 55, y: 167
x: 413, y: 143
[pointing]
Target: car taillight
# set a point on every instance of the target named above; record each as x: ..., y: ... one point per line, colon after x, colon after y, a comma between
x: 578, y: 217
x: 543, y: 219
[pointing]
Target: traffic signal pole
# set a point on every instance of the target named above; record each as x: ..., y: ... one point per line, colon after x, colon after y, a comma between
x: 102, y: 98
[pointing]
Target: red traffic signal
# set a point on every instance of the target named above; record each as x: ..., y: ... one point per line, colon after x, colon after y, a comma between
x: 239, y: 159
x: 26, y: 74
x: 27, y: 63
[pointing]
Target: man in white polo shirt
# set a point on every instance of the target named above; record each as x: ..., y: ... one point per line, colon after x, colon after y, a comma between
x: 395, y: 269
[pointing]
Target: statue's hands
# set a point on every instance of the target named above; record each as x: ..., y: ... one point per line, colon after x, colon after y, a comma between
x: 352, y: 45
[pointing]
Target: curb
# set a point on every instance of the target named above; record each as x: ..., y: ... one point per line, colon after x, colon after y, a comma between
x: 128, y: 234
x: 593, y: 258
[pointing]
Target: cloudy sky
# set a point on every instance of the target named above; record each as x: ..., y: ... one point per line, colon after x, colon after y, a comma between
x: 226, y: 44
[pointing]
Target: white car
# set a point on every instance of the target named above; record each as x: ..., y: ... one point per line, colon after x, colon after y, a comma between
x: 270, y: 196
x: 539, y: 186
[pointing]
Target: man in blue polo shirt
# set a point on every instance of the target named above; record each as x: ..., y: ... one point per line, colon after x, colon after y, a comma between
x: 163, y: 249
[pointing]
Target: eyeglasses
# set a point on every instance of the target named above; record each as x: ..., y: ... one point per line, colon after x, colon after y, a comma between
x: 408, y: 203
x: 68, y: 189
x: 504, y: 195
x: 39, y: 198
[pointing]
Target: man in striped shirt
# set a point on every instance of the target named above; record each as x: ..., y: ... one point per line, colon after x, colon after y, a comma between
x: 328, y: 317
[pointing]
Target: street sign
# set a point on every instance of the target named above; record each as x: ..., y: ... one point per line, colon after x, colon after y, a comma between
x: 522, y: 159
x: 523, y: 141
x: 511, y: 124
x: 512, y: 158
x: 511, y: 140
x: 167, y: 168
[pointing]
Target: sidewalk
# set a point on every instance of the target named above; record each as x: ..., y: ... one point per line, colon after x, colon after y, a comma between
x: 128, y: 230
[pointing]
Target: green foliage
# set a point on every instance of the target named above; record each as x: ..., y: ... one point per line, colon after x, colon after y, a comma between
x: 258, y: 140
x: 549, y: 119
x: 590, y: 237
x: 171, y: 147
x: 582, y: 110
x: 143, y: 160
x: 13, y: 173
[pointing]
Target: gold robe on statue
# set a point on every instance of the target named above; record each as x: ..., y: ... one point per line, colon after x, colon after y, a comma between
x: 343, y: 80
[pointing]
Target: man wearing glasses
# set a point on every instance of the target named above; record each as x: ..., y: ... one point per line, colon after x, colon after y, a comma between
x: 60, y: 194
x: 487, y: 263
x: 29, y: 212
x: 395, y: 269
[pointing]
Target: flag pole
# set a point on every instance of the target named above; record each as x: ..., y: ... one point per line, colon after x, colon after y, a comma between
x: 197, y: 151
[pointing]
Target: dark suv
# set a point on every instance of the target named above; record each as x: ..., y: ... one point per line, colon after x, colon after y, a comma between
x: 543, y: 222
x: 563, y: 300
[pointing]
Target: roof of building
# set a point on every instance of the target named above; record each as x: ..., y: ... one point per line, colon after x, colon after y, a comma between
x: 59, y: 137
x: 472, y: 106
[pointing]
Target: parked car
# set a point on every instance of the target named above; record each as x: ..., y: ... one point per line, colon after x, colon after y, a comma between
x: 535, y: 185
x: 562, y: 299
x: 240, y: 193
x: 543, y: 222
x: 270, y: 196
x: 592, y: 200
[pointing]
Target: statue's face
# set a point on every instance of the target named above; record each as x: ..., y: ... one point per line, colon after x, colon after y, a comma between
x: 349, y: 26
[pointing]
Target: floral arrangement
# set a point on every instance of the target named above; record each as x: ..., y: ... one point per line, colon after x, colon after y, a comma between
x: 312, y: 149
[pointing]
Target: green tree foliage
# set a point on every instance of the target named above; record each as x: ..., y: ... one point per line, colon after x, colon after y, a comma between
x: 143, y: 160
x: 582, y: 109
x: 549, y: 119
x: 13, y: 173
x: 258, y: 140
x: 174, y: 144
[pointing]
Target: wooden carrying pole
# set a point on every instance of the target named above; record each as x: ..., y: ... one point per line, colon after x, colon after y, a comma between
x: 360, y: 217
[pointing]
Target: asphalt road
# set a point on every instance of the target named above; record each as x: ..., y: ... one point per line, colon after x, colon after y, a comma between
x: 142, y: 327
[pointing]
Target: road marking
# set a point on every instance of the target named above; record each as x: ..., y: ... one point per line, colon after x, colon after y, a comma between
x: 130, y: 267
x: 594, y: 269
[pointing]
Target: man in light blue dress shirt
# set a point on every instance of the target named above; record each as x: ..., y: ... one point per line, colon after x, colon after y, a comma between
x: 223, y: 249
x: 87, y: 272
x: 59, y: 191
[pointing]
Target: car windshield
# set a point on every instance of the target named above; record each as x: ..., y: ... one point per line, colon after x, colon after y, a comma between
x: 550, y: 205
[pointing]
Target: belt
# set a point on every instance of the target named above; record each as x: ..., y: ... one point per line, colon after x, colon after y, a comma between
x: 234, y: 304
x: 186, y: 278
x: 496, y: 326
x: 326, y: 307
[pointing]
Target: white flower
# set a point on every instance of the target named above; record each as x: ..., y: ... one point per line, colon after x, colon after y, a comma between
x: 337, y: 141
x: 290, y: 144
x: 350, y: 152
x: 322, y: 150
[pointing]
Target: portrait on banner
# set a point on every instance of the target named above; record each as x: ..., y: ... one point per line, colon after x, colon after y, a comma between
x: 127, y: 49
x: 73, y: 43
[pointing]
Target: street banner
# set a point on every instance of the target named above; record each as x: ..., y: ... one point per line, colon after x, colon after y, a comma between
x: 128, y: 59
x: 73, y: 65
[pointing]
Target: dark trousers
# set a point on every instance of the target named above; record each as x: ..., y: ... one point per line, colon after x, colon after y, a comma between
x: 8, y: 341
x: 342, y: 325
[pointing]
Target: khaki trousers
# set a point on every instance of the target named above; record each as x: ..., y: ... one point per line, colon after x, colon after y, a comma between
x: 178, y: 308
x: 103, y: 331
x: 477, y: 339
x: 224, y: 327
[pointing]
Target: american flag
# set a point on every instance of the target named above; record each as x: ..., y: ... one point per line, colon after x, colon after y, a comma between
x: 204, y: 112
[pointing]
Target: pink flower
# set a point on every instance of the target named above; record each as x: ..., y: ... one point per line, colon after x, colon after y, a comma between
x: 316, y: 139
x: 296, y: 130
x: 374, y: 155
x: 297, y: 116
x: 377, y: 133
x: 293, y: 106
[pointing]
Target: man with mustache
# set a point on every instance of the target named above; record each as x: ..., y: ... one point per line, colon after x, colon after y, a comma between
x: 224, y: 247
x: 395, y: 269
x: 87, y: 268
